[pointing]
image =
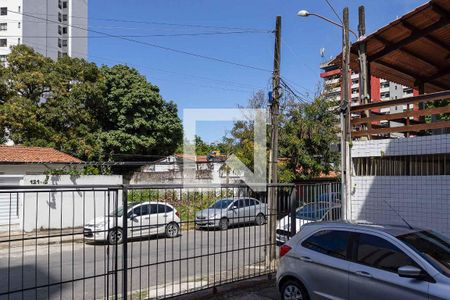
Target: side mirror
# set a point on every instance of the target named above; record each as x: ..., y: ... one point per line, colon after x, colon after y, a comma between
x: 410, y: 272
x: 233, y: 207
x: 132, y: 216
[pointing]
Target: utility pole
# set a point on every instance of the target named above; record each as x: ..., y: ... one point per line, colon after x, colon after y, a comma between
x: 364, y: 68
x: 345, y: 119
x: 273, y: 179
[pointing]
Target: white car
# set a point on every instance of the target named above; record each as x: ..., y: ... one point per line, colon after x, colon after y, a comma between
x: 143, y: 219
x: 311, y: 212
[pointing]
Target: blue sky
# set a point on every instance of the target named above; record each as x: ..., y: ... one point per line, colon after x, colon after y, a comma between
x: 197, y: 83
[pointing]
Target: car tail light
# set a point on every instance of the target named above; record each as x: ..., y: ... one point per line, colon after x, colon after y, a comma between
x: 178, y: 214
x: 284, y: 249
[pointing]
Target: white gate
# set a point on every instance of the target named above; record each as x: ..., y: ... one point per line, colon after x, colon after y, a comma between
x: 9, y: 201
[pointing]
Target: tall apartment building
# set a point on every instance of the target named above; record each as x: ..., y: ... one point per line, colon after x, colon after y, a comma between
x: 380, y: 89
x: 51, y: 27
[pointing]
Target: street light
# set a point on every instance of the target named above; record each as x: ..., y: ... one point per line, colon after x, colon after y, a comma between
x: 305, y: 13
x: 345, y: 106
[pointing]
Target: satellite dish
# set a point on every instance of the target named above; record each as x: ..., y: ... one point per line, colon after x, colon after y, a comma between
x: 322, y: 52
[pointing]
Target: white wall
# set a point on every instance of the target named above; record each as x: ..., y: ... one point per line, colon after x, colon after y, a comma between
x: 432, y: 144
x: 424, y: 201
x: 66, y: 208
x: 12, y: 20
x: 42, y: 35
x: 78, y: 13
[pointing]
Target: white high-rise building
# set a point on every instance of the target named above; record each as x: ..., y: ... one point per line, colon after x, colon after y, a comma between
x: 51, y: 27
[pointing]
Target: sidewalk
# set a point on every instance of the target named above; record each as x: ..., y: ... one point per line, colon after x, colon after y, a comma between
x: 260, y: 288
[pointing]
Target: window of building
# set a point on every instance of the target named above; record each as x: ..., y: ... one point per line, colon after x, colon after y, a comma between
x: 3, y: 11
x: 59, y: 4
x: 64, y: 4
x: 403, y: 165
x: 19, y: 8
x: 3, y: 43
x: 19, y: 25
x: 64, y: 43
x: 59, y: 43
x: 329, y: 242
x: 59, y: 30
x: 18, y: 41
x: 64, y: 18
x: 2, y: 59
x: 64, y: 30
x: 378, y: 253
x: 3, y: 26
x: 59, y: 17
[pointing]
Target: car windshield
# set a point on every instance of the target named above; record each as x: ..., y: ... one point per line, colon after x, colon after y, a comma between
x: 116, y: 212
x: 433, y: 247
x: 221, y: 204
x: 312, y: 211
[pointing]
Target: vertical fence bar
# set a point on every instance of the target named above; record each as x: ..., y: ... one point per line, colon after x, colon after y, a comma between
x: 125, y: 241
x: 293, y: 207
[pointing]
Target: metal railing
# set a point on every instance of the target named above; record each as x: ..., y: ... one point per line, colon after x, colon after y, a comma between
x: 132, y: 241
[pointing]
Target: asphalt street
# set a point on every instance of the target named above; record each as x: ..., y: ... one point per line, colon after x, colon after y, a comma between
x: 156, y: 266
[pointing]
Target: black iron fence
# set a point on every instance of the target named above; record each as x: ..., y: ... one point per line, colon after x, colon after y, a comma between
x: 146, y: 241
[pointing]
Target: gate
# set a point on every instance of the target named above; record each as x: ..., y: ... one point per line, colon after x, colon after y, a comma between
x: 134, y: 242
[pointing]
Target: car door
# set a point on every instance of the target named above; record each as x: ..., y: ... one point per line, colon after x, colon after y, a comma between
x: 163, y: 216
x: 373, y: 271
x: 323, y: 260
x: 252, y: 209
x: 156, y: 219
x: 138, y: 220
x: 237, y: 211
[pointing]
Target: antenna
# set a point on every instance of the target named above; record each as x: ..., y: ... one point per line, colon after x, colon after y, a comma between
x: 398, y: 214
x: 322, y: 52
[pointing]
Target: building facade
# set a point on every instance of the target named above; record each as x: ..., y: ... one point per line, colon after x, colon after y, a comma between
x: 51, y: 27
x: 380, y: 89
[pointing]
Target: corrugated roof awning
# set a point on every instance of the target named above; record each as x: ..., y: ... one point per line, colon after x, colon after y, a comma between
x: 411, y: 50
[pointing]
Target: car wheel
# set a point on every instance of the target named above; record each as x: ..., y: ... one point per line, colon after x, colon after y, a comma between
x: 293, y: 290
x: 223, y: 224
x: 260, y: 219
x: 115, y: 236
x: 172, y: 230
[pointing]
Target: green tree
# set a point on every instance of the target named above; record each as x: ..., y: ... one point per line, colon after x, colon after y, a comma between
x: 137, y: 120
x: 78, y: 108
x: 306, y: 141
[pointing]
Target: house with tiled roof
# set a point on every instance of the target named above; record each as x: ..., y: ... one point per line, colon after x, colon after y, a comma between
x: 23, y: 160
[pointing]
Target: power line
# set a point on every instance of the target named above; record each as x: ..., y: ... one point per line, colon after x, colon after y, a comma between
x: 334, y: 11
x: 242, y: 88
x: 155, y: 45
x: 144, y: 35
x: 161, y: 23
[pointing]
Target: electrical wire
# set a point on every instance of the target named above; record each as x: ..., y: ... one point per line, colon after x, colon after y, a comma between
x: 160, y: 23
x: 224, y: 61
x: 142, y: 35
x: 241, y: 88
x: 334, y: 11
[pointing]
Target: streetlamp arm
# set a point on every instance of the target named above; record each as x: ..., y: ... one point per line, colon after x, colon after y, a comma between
x: 332, y: 22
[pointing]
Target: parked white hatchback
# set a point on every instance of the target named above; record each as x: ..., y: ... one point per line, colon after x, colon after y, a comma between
x: 143, y: 219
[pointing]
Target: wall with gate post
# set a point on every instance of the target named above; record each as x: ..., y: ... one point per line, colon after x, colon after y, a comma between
x: 66, y: 207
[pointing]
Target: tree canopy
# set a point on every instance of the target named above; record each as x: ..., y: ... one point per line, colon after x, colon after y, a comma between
x: 78, y: 108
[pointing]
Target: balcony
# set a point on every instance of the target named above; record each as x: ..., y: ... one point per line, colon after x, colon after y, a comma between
x: 420, y: 115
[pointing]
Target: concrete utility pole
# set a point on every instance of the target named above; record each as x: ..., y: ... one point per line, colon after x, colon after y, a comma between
x: 364, y: 78
x: 274, y: 114
x: 345, y: 119
x: 364, y: 67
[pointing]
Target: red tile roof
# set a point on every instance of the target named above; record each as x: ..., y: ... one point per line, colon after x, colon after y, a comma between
x: 198, y: 158
x: 22, y: 154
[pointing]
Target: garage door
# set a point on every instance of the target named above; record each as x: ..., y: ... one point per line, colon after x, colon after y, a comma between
x: 9, y: 201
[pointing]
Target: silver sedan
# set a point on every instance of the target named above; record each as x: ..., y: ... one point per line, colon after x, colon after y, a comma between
x: 226, y: 212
